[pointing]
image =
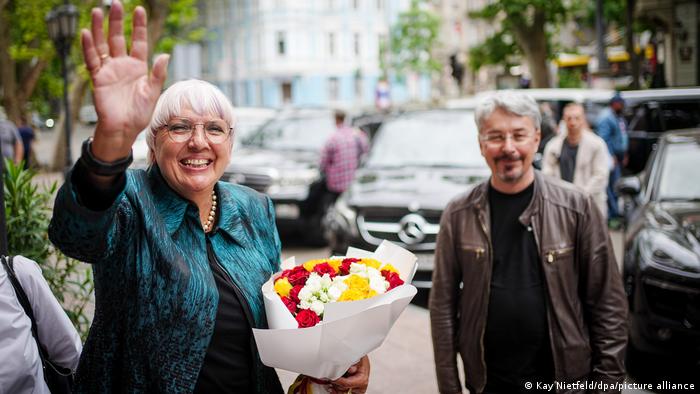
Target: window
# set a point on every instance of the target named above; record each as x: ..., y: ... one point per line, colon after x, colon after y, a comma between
x: 286, y: 92
x: 333, y: 88
x: 358, y: 87
x: 331, y: 44
x: 281, y: 43
x: 356, y: 43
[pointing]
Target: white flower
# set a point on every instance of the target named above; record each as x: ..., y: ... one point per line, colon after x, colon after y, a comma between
x: 317, y: 306
x: 337, y: 288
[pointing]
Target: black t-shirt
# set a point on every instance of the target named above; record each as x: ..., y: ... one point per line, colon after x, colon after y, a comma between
x: 228, y: 361
x: 567, y: 161
x: 516, y: 340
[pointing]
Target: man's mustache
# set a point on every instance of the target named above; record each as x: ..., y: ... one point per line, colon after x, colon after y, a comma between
x: 505, y: 156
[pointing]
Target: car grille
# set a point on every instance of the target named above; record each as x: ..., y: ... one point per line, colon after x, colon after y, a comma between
x: 675, y: 302
x: 257, y: 182
x: 415, y: 231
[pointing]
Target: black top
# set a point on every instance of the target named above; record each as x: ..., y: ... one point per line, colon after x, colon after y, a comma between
x: 516, y: 340
x: 226, y: 367
x: 567, y: 161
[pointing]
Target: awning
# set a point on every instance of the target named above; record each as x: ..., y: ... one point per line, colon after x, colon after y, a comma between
x: 571, y: 60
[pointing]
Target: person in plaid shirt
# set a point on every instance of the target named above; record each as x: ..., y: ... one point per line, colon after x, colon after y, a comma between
x: 341, y: 155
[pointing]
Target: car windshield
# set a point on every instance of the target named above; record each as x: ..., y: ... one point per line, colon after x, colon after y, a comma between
x: 294, y: 133
x: 432, y: 138
x: 681, y: 163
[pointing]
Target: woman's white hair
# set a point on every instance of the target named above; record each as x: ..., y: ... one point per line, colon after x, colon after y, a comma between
x: 516, y: 103
x: 201, y: 97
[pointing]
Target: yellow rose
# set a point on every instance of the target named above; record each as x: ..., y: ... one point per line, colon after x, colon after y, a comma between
x: 352, y: 295
x: 282, y: 287
x: 371, y: 263
x: 335, y: 263
x: 309, y: 265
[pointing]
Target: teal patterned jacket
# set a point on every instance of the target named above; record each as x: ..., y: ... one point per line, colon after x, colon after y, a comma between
x: 155, y: 296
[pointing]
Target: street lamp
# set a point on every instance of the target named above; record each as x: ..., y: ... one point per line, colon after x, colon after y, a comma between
x: 62, y: 23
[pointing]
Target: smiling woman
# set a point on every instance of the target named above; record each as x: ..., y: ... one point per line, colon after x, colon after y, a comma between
x: 179, y: 257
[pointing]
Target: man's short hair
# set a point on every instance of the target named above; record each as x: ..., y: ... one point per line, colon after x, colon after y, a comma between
x: 339, y: 116
x: 572, y: 105
x: 516, y: 103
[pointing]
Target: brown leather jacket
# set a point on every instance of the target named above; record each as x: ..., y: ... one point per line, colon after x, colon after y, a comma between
x: 586, y: 305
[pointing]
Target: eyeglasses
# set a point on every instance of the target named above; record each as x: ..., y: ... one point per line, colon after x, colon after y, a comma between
x: 499, y: 139
x: 215, y: 131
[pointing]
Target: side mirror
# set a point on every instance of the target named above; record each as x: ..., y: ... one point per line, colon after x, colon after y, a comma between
x: 629, y: 186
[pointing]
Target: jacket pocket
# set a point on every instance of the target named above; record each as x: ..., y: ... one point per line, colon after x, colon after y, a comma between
x: 558, y: 254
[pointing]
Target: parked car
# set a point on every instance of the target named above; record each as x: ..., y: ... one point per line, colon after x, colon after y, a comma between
x: 249, y: 119
x: 652, y: 112
x: 661, y: 269
x: 282, y: 159
x: 417, y: 163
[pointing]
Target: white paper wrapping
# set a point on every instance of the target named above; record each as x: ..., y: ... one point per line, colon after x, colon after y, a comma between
x: 349, y: 330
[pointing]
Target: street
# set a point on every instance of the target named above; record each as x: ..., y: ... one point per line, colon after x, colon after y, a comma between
x: 404, y: 363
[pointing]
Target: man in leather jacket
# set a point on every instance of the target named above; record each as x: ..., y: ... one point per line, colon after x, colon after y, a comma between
x: 525, y: 287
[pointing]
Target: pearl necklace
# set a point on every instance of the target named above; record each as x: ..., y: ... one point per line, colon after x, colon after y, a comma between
x: 212, y: 213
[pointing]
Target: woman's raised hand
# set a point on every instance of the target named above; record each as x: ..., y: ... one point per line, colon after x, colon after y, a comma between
x: 125, y: 94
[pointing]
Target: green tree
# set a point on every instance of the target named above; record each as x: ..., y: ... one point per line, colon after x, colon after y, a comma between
x: 529, y: 23
x: 412, y: 40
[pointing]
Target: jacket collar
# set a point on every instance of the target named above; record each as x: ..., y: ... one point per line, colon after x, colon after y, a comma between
x: 173, y: 208
x: 481, y: 200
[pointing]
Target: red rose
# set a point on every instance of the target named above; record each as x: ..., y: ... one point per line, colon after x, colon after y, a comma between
x: 298, y: 276
x: 307, y: 318
x: 393, y: 279
x: 324, y: 268
x: 284, y: 274
x: 345, y: 265
x: 290, y: 304
x: 294, y: 293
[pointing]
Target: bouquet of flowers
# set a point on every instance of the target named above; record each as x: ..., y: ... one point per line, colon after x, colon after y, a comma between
x: 325, y: 315
x: 307, y: 288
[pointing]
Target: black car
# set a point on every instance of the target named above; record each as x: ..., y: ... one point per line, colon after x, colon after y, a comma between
x: 418, y: 162
x: 662, y: 248
x: 281, y: 159
x: 652, y: 112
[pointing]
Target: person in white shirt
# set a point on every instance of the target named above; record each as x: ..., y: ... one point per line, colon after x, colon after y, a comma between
x: 21, y: 369
x: 579, y: 156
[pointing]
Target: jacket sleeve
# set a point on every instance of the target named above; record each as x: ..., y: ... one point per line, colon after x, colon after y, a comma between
x: 603, y: 297
x: 56, y: 332
x: 444, y: 303
x: 549, y: 159
x: 597, y: 182
x: 90, y: 235
x: 606, y: 130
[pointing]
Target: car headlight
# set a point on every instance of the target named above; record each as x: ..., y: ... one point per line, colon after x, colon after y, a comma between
x: 658, y: 248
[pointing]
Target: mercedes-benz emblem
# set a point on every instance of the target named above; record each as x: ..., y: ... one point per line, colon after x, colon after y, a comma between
x: 412, y: 229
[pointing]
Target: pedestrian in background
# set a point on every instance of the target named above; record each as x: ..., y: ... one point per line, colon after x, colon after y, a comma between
x: 525, y: 287
x: 11, y: 141
x: 612, y: 128
x: 26, y: 133
x: 579, y: 157
x: 21, y: 369
x: 340, y: 158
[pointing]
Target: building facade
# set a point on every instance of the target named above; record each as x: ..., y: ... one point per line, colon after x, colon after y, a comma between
x: 274, y: 53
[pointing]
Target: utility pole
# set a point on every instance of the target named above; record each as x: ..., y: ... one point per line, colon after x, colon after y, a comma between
x: 600, y: 38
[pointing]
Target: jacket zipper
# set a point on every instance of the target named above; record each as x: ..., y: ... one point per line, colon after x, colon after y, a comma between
x: 488, y: 294
x: 244, y: 303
